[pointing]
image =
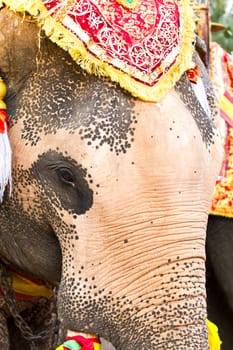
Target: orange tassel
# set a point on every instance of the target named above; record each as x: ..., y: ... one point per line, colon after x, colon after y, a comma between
x: 193, y: 74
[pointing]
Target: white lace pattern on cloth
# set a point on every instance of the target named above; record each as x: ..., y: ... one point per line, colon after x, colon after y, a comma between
x: 147, y: 40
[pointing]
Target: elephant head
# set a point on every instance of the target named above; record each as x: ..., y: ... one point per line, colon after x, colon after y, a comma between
x: 110, y: 195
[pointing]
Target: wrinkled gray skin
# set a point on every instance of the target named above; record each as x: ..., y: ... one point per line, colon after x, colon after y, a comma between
x: 220, y: 276
x: 110, y: 196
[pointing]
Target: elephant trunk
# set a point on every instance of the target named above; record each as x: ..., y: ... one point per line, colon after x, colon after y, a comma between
x: 162, y: 308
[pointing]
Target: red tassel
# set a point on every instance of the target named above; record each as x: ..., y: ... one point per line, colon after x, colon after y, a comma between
x: 4, y: 121
x: 193, y: 74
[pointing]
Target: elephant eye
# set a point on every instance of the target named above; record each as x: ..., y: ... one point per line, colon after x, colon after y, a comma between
x: 66, y: 176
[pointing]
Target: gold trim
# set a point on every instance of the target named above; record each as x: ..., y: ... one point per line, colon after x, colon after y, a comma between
x: 130, y: 4
x: 93, y: 65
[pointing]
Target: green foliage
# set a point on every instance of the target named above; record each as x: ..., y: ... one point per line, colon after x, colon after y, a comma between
x: 222, y: 12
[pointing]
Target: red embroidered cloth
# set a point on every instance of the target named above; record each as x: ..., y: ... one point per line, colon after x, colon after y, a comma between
x: 145, y: 40
x: 145, y: 45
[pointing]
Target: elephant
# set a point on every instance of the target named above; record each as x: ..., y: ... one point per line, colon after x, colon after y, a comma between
x: 219, y: 248
x: 110, y: 194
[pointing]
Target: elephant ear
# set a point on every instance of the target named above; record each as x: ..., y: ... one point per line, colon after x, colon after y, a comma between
x: 209, y: 89
x: 16, y: 61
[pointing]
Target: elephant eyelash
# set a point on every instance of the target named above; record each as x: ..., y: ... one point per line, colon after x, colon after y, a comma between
x: 66, y: 176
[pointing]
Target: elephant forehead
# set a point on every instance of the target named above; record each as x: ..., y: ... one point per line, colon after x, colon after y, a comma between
x: 160, y: 139
x: 96, y: 128
x: 63, y: 97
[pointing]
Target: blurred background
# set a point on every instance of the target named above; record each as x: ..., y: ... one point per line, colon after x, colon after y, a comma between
x: 221, y: 12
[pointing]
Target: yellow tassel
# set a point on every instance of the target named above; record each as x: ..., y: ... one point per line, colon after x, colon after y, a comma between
x: 3, y: 90
x: 61, y: 347
x: 213, y: 336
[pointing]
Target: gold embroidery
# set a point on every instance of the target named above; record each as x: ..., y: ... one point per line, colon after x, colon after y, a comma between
x: 130, y: 4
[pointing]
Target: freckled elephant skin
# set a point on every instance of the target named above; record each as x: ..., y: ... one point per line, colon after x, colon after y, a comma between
x: 110, y: 198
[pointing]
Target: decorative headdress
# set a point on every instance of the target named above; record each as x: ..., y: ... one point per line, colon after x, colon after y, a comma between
x: 144, y: 45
